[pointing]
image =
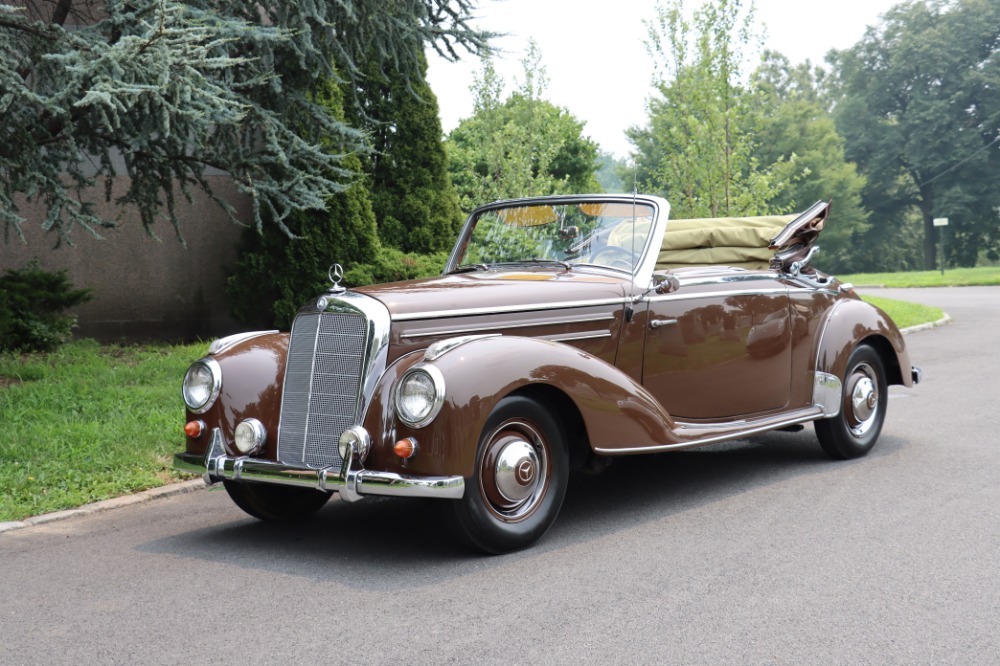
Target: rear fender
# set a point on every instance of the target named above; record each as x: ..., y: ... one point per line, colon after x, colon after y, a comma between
x: 853, y: 322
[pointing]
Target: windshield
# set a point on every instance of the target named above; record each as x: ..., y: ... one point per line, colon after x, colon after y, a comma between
x: 603, y: 234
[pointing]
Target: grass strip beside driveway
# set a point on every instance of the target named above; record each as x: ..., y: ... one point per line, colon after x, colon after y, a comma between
x: 952, y: 277
x: 88, y: 422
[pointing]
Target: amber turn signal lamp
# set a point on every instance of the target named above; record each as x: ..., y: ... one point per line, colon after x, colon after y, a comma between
x: 193, y: 429
x: 405, y: 448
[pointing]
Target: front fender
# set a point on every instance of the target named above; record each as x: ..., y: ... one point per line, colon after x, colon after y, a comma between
x: 253, y: 372
x: 852, y: 322
x: 616, y: 411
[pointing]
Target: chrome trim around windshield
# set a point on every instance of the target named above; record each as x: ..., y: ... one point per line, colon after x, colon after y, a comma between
x: 643, y: 272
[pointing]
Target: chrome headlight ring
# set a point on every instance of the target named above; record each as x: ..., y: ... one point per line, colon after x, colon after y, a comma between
x: 202, y: 385
x: 419, y: 395
x: 250, y: 436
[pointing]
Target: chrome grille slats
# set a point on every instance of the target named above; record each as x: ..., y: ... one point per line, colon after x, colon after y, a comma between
x: 323, y: 386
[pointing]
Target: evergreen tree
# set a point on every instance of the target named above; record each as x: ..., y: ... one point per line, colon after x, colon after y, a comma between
x: 173, y: 88
x: 276, y: 273
x: 415, y: 205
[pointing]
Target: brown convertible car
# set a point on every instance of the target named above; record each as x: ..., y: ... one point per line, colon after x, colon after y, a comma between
x: 563, y: 332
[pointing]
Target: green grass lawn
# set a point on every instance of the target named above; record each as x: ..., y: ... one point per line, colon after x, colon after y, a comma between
x: 91, y: 422
x: 88, y: 422
x: 903, y: 313
x: 953, y: 277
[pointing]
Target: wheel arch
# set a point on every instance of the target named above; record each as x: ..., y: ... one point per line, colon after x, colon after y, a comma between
x: 887, y: 354
x: 570, y: 419
x: 853, y: 322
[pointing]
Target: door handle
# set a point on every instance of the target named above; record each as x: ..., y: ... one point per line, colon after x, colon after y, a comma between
x: 657, y: 323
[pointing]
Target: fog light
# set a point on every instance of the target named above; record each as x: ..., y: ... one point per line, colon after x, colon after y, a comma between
x: 250, y: 436
x: 405, y: 448
x: 193, y: 429
x: 358, y: 437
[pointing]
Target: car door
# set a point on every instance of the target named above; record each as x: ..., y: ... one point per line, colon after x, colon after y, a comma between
x: 719, y: 348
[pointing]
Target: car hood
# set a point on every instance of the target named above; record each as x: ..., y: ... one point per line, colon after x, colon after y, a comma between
x: 492, y: 291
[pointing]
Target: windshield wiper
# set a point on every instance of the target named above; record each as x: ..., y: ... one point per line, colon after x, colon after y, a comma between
x: 468, y: 268
x: 527, y: 262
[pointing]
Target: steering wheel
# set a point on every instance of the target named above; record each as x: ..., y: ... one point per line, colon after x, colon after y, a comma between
x: 615, y: 256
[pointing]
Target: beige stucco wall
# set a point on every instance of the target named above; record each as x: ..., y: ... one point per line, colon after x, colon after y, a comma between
x: 145, y: 288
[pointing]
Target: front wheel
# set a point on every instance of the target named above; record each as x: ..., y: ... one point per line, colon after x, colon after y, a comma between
x: 275, y: 503
x: 519, y: 480
x: 853, y: 432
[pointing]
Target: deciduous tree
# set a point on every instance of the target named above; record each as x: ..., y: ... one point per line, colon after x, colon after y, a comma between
x: 519, y: 146
x: 920, y: 113
x: 798, y: 142
x: 698, y: 146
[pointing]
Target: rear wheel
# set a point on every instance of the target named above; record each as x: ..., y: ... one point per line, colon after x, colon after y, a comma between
x: 519, y: 480
x: 275, y: 503
x: 854, y: 431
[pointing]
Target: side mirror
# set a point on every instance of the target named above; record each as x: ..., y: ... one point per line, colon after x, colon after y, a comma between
x: 665, y: 283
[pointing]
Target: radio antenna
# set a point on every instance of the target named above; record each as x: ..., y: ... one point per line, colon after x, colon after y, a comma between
x: 635, y: 193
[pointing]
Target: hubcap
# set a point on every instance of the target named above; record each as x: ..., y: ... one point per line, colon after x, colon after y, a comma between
x: 514, y: 471
x: 863, y: 399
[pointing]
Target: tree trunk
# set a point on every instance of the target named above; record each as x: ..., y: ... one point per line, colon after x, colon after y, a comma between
x: 930, y: 237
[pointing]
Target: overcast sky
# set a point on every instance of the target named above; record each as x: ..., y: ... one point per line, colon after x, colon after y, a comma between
x: 597, y: 63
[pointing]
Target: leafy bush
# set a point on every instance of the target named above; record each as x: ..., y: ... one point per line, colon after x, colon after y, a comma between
x: 392, y: 265
x: 32, y: 309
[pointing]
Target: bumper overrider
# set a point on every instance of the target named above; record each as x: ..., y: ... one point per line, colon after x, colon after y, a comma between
x: 351, y: 481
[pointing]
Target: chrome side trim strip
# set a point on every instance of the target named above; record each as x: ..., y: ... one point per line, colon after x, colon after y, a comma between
x: 799, y: 416
x: 565, y: 305
x: 715, y: 294
x: 553, y: 321
x: 442, y: 347
x: 362, y: 482
x: 222, y: 344
x: 728, y: 278
x: 570, y: 337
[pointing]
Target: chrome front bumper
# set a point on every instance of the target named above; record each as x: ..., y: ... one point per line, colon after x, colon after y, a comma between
x: 352, y: 482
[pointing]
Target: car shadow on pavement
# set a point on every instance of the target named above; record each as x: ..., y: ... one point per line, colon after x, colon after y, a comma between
x: 392, y: 544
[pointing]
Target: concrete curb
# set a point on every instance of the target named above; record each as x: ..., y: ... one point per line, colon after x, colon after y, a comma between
x: 198, y: 484
x: 946, y: 319
x: 106, y: 505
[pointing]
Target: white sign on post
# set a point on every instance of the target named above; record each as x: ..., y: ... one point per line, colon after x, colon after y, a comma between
x: 940, y: 221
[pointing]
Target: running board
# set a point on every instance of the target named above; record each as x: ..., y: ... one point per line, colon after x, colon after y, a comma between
x: 700, y: 434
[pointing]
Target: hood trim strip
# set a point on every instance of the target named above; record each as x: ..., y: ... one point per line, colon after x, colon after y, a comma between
x: 554, y: 321
x: 442, y: 314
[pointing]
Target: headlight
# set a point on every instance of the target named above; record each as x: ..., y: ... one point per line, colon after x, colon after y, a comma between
x: 202, y: 384
x: 419, y: 395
